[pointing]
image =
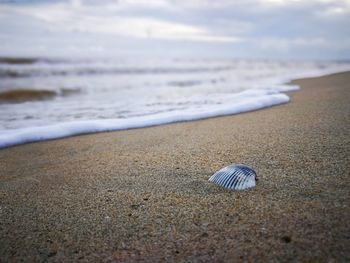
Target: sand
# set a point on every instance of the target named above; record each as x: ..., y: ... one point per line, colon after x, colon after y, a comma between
x: 142, y: 195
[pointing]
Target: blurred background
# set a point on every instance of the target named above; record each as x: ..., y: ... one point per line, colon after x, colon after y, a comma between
x: 283, y: 29
x: 97, y: 65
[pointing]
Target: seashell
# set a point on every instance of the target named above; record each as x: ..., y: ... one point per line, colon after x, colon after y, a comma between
x: 235, y: 176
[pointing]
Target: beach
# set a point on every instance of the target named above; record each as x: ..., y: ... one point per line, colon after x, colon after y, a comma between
x: 143, y: 194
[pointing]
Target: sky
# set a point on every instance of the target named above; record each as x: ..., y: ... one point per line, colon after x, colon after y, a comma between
x: 271, y: 29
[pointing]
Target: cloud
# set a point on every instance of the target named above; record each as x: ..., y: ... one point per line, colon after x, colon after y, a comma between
x: 285, y: 44
x: 244, y: 28
x: 85, y: 18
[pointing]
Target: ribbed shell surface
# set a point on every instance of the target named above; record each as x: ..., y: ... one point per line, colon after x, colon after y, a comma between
x: 235, y: 176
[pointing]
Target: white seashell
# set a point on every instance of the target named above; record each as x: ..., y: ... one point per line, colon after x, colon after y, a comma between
x: 235, y: 176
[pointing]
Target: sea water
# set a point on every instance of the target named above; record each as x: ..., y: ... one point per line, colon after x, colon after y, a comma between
x: 113, y: 94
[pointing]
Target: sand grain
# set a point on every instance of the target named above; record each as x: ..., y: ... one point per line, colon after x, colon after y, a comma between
x: 143, y: 195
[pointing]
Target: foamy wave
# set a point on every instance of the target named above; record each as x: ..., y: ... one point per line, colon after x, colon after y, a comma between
x: 133, y: 93
x: 248, y: 102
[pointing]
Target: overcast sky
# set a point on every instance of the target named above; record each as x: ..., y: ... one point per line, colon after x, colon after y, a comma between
x: 282, y: 29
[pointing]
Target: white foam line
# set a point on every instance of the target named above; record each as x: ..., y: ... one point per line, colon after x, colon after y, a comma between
x: 25, y: 135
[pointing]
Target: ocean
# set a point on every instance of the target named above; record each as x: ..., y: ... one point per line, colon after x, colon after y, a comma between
x: 43, y: 99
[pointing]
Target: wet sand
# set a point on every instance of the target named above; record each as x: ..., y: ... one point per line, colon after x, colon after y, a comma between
x: 142, y: 195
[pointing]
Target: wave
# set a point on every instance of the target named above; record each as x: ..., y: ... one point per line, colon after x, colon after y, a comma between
x: 40, y: 67
x: 23, y: 95
x: 29, y: 72
x: 159, y: 92
x: 250, y: 100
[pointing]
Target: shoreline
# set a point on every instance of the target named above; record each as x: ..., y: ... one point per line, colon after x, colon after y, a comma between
x: 143, y: 195
x: 9, y: 138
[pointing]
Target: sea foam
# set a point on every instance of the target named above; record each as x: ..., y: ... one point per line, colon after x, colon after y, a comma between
x: 110, y: 95
x: 55, y: 131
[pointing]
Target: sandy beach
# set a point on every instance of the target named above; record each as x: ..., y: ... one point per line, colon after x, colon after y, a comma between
x: 142, y: 195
